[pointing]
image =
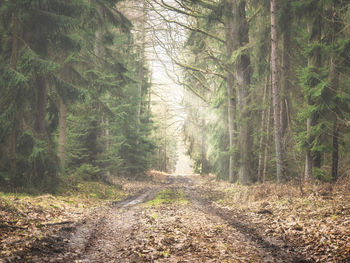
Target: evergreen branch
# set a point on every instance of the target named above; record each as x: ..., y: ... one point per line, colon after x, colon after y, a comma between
x: 115, y: 16
x: 103, y: 105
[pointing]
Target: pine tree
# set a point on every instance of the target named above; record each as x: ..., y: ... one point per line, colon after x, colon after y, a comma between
x: 37, y: 29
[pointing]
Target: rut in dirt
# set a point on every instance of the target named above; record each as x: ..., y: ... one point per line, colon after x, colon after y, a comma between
x: 191, y: 230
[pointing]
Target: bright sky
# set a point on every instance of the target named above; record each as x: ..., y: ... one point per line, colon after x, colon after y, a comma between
x: 163, y: 41
x: 165, y: 74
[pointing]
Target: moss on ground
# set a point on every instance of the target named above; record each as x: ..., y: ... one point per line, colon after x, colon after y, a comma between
x: 169, y: 196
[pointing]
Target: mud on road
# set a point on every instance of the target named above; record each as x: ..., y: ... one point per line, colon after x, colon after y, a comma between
x: 168, y: 223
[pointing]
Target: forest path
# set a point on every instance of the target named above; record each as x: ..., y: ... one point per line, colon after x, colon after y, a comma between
x: 172, y: 223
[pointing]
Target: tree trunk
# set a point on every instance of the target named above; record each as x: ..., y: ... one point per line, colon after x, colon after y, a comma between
x: 285, y: 82
x: 314, y: 61
x: 231, y: 124
x: 159, y: 161
x: 204, y: 169
x: 267, y: 145
x: 165, y: 154
x: 62, y: 132
x: 334, y: 82
x: 41, y: 106
x: 141, y: 62
x: 308, y: 157
x: 62, y: 122
x: 105, y: 124
x: 335, y: 150
x: 262, y: 132
x: 14, y: 56
x: 231, y: 101
x: 275, y: 96
x: 98, y: 35
x: 150, y: 94
x: 237, y: 37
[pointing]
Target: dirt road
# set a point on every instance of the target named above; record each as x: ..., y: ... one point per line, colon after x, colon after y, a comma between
x: 168, y: 223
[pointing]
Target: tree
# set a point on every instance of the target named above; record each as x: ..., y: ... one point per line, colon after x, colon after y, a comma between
x: 275, y: 97
x: 65, y: 62
x: 242, y: 69
x: 33, y: 81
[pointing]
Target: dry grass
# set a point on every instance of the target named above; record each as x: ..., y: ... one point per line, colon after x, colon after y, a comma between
x: 247, y: 195
x: 315, y: 220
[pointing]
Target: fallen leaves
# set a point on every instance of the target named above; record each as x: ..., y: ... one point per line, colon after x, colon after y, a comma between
x: 27, y: 221
x: 316, y: 224
x: 170, y: 233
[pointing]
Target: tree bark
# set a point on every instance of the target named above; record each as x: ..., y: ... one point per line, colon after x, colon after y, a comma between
x: 275, y: 96
x: 62, y: 132
x: 237, y: 37
x: 204, y: 169
x: 165, y: 153
x: 13, y: 62
x: 267, y: 145
x: 105, y: 124
x: 335, y: 150
x: 231, y: 101
x: 41, y: 106
x: 141, y: 62
x: 285, y: 82
x: 98, y: 34
x: 231, y: 109
x: 262, y: 132
x: 62, y: 122
x: 314, y: 61
x: 334, y: 82
x: 149, y: 94
x: 308, y: 157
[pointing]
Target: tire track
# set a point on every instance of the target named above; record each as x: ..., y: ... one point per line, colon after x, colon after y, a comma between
x: 277, y: 248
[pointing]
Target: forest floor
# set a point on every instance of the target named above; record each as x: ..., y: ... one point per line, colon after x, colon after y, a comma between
x: 180, y: 219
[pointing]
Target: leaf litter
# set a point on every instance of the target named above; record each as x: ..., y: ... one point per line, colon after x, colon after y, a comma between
x: 316, y: 222
x: 176, y: 221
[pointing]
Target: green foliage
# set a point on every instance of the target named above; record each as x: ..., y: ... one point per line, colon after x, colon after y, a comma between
x: 59, y: 58
x: 321, y: 174
x: 86, y: 172
x: 313, y: 37
x: 169, y: 196
x: 219, y: 152
x: 37, y: 164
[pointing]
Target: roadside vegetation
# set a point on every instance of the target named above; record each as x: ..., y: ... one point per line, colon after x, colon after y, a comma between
x: 315, y: 220
x: 27, y: 219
